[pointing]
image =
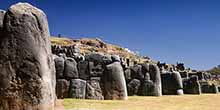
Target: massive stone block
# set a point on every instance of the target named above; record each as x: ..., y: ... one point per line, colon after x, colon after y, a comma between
x: 59, y: 64
x: 77, y: 89
x: 70, y: 69
x: 26, y: 64
x: 83, y: 69
x: 191, y: 85
x: 114, y: 82
x: 98, y: 58
x: 93, y: 89
x: 95, y: 69
x: 133, y: 87
x: 172, y: 83
x: 136, y: 72
x: 62, y: 88
x: 151, y: 82
x: 127, y: 74
x: 207, y: 88
x: 147, y: 88
x: 155, y: 77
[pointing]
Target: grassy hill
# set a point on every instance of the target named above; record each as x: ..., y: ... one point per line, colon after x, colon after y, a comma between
x: 88, y: 45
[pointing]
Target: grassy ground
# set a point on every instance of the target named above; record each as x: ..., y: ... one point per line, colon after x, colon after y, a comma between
x: 185, y: 102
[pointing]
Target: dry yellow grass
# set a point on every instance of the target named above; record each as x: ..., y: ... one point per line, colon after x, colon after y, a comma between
x: 185, y: 102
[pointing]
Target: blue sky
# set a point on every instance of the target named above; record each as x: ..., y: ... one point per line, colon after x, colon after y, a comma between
x: 187, y: 31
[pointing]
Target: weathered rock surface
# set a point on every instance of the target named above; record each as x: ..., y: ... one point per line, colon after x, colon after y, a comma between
x: 93, y: 89
x: 127, y: 73
x: 207, y: 88
x: 77, y: 89
x: 136, y: 72
x: 95, y: 70
x: 172, y: 83
x: 62, y: 88
x: 98, y: 58
x: 83, y: 68
x: 59, y: 64
x: 114, y: 82
x: 26, y: 64
x: 133, y: 87
x: 152, y: 80
x: 192, y: 85
x: 147, y: 88
x: 70, y: 69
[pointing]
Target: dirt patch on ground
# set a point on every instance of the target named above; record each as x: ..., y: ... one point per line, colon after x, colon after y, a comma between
x: 59, y: 105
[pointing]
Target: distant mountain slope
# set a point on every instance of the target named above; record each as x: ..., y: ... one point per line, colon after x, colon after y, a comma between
x: 215, y: 70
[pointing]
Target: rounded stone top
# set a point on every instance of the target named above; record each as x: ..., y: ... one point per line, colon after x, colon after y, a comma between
x: 26, y: 8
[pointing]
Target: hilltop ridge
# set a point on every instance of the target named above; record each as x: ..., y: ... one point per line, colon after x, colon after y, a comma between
x: 88, y: 45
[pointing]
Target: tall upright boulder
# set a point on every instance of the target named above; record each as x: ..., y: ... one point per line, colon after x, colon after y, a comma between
x: 70, y: 69
x: 26, y: 64
x: 155, y: 76
x: 114, y: 81
x: 151, y: 84
x: 172, y: 83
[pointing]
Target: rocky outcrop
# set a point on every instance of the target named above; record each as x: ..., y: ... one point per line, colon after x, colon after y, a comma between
x: 26, y: 64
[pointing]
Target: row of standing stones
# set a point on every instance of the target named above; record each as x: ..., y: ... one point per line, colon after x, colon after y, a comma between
x: 30, y: 77
x: 141, y: 79
x: 92, y: 75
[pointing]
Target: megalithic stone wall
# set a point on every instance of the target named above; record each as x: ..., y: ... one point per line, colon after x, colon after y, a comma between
x: 26, y: 64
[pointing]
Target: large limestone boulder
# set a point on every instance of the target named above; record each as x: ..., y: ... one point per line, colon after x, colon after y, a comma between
x: 83, y: 70
x: 114, y: 82
x: 70, y: 69
x: 192, y: 85
x: 154, y: 73
x: 77, y: 89
x: 26, y: 64
x: 133, y: 87
x: 59, y: 64
x: 95, y: 70
x: 172, y: 83
x: 151, y: 83
x: 98, y: 58
x: 93, y: 89
x: 136, y: 72
x: 62, y: 88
